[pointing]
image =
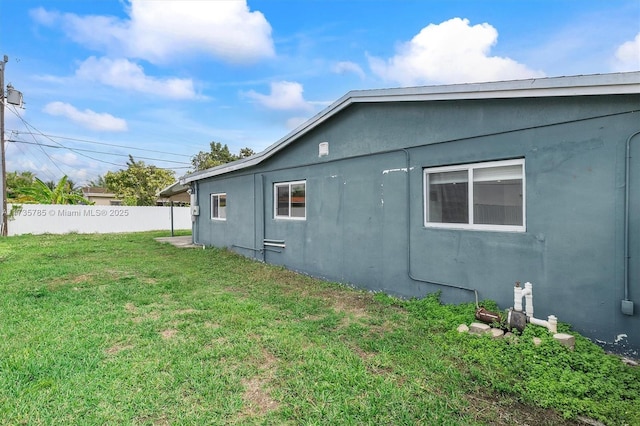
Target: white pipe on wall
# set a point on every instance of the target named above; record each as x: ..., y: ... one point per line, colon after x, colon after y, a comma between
x: 550, y: 324
x: 517, y: 297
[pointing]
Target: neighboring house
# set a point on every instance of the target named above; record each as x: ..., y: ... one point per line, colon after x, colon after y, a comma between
x: 454, y: 188
x: 100, y: 196
x: 174, y: 194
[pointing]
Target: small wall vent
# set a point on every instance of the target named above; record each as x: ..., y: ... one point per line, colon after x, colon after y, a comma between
x: 323, y: 149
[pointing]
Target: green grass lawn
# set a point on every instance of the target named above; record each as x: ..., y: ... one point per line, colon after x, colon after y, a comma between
x: 119, y: 329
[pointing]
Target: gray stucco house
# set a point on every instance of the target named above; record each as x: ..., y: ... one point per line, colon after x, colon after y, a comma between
x: 454, y: 188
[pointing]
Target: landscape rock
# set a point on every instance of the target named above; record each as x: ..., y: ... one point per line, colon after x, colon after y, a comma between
x: 565, y: 339
x: 510, y: 337
x: 496, y: 333
x: 462, y: 328
x: 537, y: 341
x: 479, y: 328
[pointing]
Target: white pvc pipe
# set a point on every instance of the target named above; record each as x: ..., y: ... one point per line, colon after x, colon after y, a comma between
x: 528, y: 295
x: 517, y: 298
x: 550, y: 324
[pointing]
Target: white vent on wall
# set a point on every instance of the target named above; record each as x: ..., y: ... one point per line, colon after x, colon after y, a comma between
x: 323, y: 149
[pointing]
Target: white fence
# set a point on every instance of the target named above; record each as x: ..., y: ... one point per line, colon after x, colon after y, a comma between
x: 63, y: 219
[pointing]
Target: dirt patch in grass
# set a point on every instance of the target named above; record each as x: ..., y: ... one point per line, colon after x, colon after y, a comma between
x: 353, y: 306
x: 494, y: 410
x: 153, y: 420
x: 169, y: 333
x: 117, y: 348
x: 257, y: 393
x: 257, y: 398
x: 76, y: 279
x: 131, y: 308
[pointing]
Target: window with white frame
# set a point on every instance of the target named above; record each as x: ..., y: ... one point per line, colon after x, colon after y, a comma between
x: 290, y: 200
x: 219, y: 206
x: 487, y: 196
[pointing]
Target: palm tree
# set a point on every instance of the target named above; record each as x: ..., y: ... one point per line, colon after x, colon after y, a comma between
x: 58, y: 193
x: 99, y: 182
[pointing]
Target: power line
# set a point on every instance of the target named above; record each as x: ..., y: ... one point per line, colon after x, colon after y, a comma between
x: 95, y: 152
x: 15, y: 112
x: 17, y: 132
x: 61, y: 146
x: 27, y: 125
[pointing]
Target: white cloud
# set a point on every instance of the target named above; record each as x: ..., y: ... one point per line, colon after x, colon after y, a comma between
x: 285, y: 95
x: 44, y: 167
x: 68, y: 159
x: 166, y: 31
x: 627, y: 56
x: 450, y: 52
x: 346, y: 67
x: 44, y: 17
x: 124, y: 74
x: 87, y: 118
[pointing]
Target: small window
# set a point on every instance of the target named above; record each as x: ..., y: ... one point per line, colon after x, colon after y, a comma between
x: 219, y: 206
x: 290, y: 200
x: 487, y: 196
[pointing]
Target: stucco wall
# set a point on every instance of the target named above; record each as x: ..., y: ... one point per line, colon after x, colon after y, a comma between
x: 364, y: 222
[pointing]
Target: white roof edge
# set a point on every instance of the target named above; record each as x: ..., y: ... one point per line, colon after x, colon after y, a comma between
x: 579, y: 85
x: 173, y: 189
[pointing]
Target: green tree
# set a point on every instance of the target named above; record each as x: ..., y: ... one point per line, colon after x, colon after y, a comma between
x: 139, y: 184
x: 218, y: 154
x: 16, y: 181
x: 245, y: 152
x: 70, y: 186
x: 40, y: 192
x: 99, y: 182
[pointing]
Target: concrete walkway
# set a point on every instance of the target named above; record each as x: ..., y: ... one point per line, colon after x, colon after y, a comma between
x: 185, y: 241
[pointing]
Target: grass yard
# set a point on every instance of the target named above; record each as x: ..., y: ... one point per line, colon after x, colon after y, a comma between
x: 120, y: 329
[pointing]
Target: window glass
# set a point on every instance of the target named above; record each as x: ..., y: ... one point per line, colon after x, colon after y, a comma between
x: 497, y: 195
x: 448, y: 197
x: 283, y: 200
x: 298, y: 200
x: 214, y: 206
x: 476, y: 196
x: 222, y: 206
x: 290, y: 200
x: 219, y: 206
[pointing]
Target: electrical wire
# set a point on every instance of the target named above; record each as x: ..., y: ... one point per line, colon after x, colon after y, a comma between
x: 35, y: 132
x: 93, y: 151
x: 80, y: 150
x: 36, y: 160
x: 17, y: 132
x: 27, y: 125
x: 14, y: 110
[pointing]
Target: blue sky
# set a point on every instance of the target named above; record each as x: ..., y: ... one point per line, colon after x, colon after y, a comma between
x: 161, y: 79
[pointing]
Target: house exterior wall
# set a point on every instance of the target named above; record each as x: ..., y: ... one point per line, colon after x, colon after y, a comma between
x: 365, y: 206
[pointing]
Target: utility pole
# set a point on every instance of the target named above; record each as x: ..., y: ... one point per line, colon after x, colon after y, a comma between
x: 13, y: 97
x: 3, y: 170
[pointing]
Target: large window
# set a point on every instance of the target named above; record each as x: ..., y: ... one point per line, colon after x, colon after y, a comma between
x: 219, y: 206
x: 290, y: 200
x: 486, y: 196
